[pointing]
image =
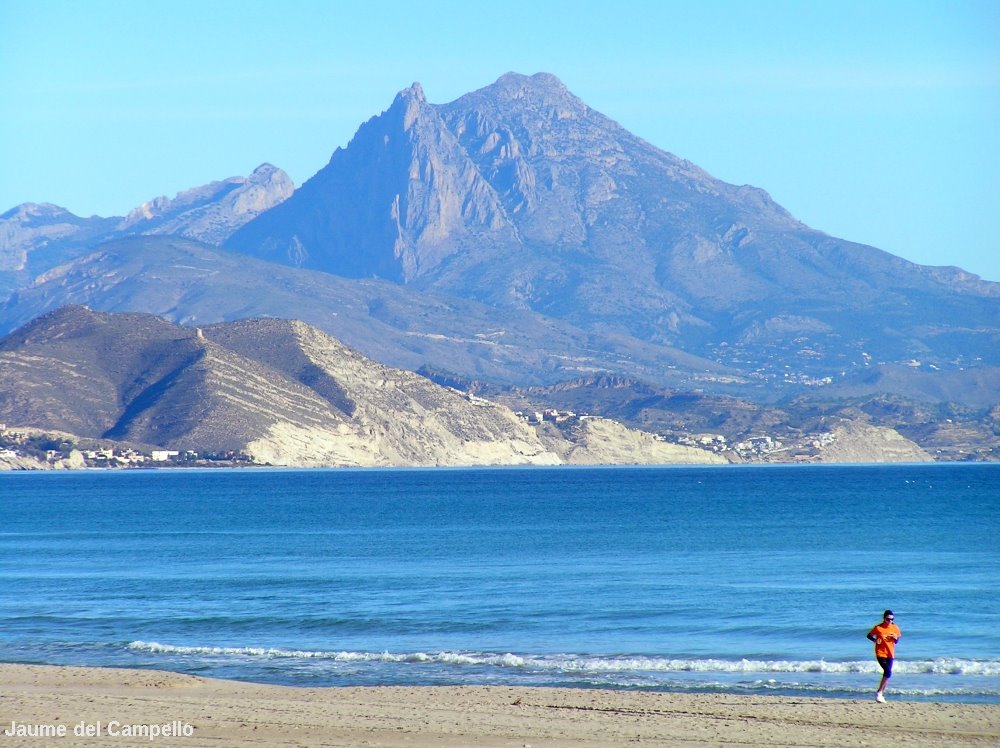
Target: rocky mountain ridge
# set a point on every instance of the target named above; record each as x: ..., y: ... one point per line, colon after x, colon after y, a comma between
x: 211, y: 213
x: 37, y: 237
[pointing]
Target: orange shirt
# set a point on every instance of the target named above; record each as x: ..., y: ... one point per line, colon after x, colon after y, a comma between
x: 886, y: 635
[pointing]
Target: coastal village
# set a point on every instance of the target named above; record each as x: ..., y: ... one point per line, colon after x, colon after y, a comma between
x: 751, y: 449
x: 63, y: 452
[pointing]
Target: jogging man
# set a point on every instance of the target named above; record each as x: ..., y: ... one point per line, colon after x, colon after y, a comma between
x: 885, y: 635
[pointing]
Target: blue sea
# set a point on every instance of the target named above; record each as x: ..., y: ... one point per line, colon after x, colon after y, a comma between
x: 747, y: 580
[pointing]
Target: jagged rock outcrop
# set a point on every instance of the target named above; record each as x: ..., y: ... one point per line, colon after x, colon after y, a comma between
x: 214, y: 211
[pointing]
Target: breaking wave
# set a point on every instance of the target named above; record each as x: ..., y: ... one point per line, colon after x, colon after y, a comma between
x: 582, y: 664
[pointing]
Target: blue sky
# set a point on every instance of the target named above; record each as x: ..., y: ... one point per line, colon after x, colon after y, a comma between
x: 877, y: 122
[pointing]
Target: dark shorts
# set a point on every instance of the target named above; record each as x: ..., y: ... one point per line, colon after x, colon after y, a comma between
x: 886, y: 663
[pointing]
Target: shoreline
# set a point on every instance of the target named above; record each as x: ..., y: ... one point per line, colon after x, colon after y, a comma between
x: 263, y: 467
x: 90, y: 706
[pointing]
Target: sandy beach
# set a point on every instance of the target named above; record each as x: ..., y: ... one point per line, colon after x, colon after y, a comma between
x: 65, y: 706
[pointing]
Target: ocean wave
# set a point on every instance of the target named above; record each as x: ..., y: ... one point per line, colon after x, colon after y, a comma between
x: 585, y: 664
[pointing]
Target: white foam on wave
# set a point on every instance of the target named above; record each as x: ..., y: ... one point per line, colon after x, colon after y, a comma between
x: 587, y: 664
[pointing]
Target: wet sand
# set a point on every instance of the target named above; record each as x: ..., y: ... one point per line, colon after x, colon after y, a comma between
x: 65, y: 706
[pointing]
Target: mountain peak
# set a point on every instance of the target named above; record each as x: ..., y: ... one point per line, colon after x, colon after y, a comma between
x: 540, y: 88
x: 415, y: 92
x: 537, y: 81
x: 410, y: 98
x: 265, y: 171
x: 26, y: 211
x: 409, y: 102
x: 523, y: 102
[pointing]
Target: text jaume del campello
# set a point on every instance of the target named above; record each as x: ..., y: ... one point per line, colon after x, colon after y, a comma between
x: 112, y: 728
